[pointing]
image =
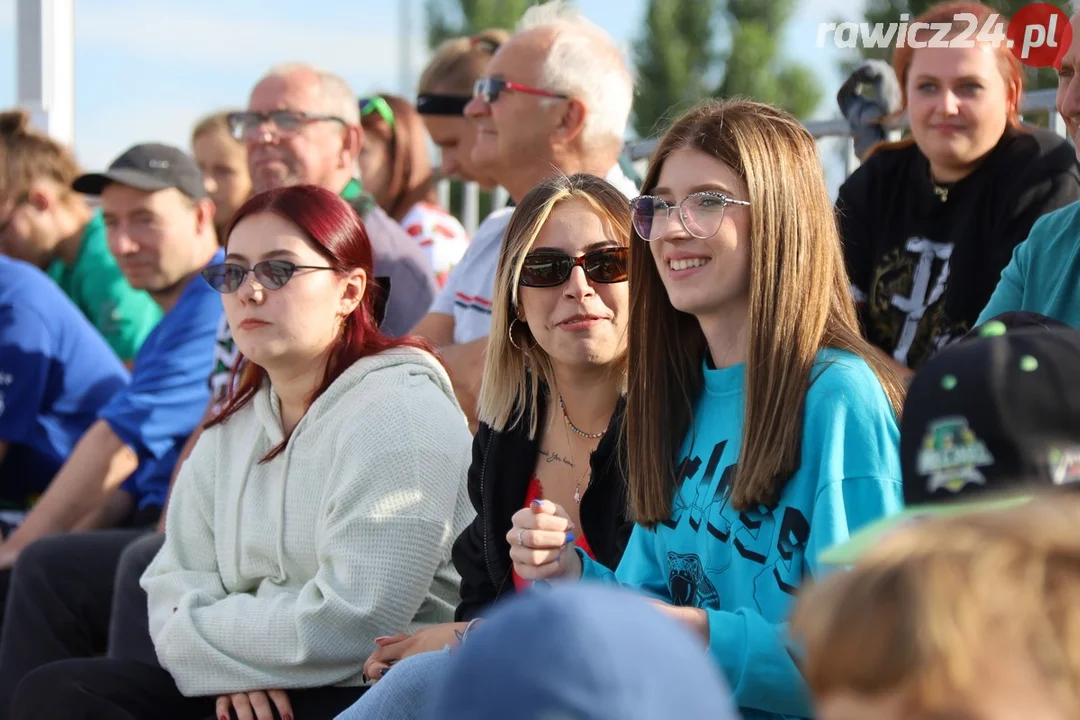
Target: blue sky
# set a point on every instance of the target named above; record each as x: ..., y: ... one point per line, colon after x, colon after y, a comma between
x: 146, y: 70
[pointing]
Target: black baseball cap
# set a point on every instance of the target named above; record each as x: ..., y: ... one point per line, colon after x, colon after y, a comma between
x: 148, y: 167
x: 987, y: 421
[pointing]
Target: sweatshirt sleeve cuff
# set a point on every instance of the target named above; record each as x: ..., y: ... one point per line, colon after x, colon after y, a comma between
x: 592, y: 570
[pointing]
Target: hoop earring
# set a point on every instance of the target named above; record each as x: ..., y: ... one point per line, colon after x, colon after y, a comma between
x: 510, y: 336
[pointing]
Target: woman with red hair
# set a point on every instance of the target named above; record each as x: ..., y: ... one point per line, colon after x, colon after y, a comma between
x: 316, y: 512
x: 396, y: 170
x: 928, y: 223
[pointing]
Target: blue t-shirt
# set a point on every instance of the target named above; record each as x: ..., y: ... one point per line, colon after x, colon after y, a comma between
x: 56, y: 373
x: 744, y: 568
x: 1044, y: 273
x: 168, y: 393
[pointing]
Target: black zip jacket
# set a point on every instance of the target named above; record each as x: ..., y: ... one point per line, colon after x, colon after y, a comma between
x: 502, y: 465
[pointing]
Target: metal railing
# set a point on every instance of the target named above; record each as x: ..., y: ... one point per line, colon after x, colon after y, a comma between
x: 1036, y: 103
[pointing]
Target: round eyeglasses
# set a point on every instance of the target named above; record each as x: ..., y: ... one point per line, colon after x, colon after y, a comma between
x: 227, y: 278
x: 700, y: 213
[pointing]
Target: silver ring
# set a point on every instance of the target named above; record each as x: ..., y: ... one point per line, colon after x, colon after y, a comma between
x: 520, y: 533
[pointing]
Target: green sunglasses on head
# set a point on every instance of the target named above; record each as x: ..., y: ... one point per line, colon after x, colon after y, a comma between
x: 377, y: 104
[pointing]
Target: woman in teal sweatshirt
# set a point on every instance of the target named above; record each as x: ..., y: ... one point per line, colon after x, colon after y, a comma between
x: 761, y: 427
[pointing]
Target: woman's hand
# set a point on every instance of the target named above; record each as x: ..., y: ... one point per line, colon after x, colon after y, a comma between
x: 398, y: 647
x: 255, y: 705
x: 539, y: 542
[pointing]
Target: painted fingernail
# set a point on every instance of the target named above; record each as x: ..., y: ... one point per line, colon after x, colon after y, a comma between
x: 287, y: 717
x: 537, y: 504
x: 569, y: 537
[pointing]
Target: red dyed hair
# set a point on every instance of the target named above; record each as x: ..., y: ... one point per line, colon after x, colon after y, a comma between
x: 946, y: 12
x: 1011, y: 70
x: 337, y: 233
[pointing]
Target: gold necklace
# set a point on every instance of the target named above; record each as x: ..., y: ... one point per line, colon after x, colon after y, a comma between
x: 941, y: 190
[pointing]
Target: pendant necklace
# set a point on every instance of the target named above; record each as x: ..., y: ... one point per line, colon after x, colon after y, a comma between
x: 588, y: 436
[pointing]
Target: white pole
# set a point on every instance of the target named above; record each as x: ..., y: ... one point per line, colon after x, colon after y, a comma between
x: 45, y: 65
x: 405, y: 46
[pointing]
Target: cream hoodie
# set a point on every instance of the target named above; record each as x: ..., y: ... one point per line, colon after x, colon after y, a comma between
x: 282, y: 574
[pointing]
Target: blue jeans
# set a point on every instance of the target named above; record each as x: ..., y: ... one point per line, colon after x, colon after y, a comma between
x: 403, y: 693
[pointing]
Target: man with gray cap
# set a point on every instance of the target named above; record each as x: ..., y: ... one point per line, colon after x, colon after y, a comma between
x: 160, y: 227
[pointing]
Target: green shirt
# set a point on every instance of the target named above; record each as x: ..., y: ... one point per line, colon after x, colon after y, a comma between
x: 122, y: 314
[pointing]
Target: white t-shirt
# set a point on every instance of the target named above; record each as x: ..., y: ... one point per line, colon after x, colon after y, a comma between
x: 471, y: 285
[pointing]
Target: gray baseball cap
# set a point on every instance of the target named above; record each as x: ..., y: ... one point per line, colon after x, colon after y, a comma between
x: 148, y: 167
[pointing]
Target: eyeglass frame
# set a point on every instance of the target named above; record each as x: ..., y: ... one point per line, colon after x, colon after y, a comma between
x: 378, y: 104
x: 576, y: 261
x: 265, y: 117
x: 724, y: 198
x: 254, y: 269
x: 489, y: 97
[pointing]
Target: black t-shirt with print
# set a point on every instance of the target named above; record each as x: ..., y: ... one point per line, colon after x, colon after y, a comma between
x: 923, y: 268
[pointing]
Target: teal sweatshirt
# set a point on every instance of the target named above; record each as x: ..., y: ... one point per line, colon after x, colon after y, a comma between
x: 1044, y: 273
x: 744, y: 568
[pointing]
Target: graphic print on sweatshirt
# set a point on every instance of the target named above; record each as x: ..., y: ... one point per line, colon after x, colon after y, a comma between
x: 768, y: 541
x: 908, y: 298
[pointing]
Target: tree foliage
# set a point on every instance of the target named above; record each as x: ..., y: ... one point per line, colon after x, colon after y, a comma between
x: 456, y: 18
x: 678, y: 64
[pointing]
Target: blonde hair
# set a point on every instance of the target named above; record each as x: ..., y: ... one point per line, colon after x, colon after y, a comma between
x: 799, y: 303
x: 460, y: 62
x: 27, y: 155
x: 508, y: 370
x: 216, y: 123
x: 922, y: 611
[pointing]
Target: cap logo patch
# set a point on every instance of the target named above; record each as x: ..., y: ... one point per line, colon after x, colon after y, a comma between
x: 951, y: 455
x: 159, y: 164
x: 1065, y: 466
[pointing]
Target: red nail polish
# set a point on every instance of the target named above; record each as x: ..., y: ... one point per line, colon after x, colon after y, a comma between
x: 288, y: 717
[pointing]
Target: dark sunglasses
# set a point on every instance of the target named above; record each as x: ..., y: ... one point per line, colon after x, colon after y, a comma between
x: 272, y: 274
x: 550, y: 269
x: 490, y: 88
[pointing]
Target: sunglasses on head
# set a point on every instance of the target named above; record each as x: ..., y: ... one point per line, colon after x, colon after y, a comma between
x: 378, y: 105
x: 550, y: 268
x: 227, y: 278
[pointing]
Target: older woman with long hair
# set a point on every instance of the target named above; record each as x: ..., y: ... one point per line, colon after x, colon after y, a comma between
x: 317, y: 510
x: 929, y: 222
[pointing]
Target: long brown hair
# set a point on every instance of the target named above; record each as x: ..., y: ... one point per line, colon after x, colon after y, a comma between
x: 799, y: 302
x: 337, y: 233
x: 411, y: 178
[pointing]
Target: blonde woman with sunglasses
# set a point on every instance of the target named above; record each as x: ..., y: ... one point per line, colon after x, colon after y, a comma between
x: 551, y: 412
